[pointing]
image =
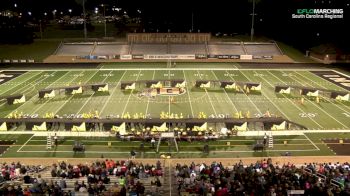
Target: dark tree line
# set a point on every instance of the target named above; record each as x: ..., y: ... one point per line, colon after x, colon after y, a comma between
x: 14, y: 31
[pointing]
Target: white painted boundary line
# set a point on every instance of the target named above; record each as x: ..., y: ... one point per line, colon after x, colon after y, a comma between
x: 25, y: 143
x: 181, y: 152
x: 311, y: 142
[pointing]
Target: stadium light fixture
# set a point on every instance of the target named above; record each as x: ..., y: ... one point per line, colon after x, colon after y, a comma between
x: 84, y: 15
x: 252, y: 28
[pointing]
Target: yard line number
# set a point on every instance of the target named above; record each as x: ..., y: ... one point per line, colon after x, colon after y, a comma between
x: 307, y: 115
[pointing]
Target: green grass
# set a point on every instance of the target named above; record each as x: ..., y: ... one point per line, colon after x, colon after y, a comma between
x: 327, y: 114
x: 294, y: 53
x: 38, y: 50
x: 298, y: 145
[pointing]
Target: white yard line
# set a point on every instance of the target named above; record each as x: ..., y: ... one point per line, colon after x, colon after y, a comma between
x: 146, y: 113
x: 311, y: 142
x: 87, y: 101
x: 127, y: 102
x: 115, y: 88
x: 65, y: 102
x: 270, y: 101
x: 326, y: 88
x: 47, y: 87
x: 244, y: 92
x: 2, y: 93
x: 28, y: 90
x: 25, y: 143
x: 225, y: 92
x: 321, y: 108
x: 188, y: 93
x: 211, y: 103
x: 292, y: 101
x: 27, y: 101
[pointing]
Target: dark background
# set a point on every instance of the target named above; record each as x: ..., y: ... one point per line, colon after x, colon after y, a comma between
x: 273, y: 19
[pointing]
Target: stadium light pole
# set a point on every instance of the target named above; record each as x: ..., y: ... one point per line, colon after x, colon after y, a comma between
x: 252, y: 29
x: 104, y: 18
x: 192, y: 23
x: 84, y: 15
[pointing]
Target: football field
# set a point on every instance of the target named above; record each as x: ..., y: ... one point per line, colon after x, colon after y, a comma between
x: 216, y: 102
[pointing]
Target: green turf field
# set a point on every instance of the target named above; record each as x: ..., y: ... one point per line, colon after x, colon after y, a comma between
x: 328, y: 114
x: 215, y: 102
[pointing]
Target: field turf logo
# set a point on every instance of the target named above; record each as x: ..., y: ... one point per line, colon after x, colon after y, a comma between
x: 319, y: 13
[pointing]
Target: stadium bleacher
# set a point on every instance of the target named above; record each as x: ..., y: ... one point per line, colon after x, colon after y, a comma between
x: 187, y: 49
x: 110, y: 49
x: 149, y: 49
x: 226, y: 49
x: 263, y: 178
x: 99, y: 177
x: 262, y: 49
x: 75, y: 49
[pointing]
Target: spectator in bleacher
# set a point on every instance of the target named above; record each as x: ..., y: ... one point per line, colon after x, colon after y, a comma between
x: 63, y: 183
x: 121, y: 181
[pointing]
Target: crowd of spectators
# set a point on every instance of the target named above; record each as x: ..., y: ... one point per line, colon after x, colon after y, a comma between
x: 17, y: 171
x: 91, y: 178
x: 14, y: 170
x: 98, y: 175
x: 263, y: 178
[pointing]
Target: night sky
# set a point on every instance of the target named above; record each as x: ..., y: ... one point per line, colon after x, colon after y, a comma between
x: 273, y: 17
